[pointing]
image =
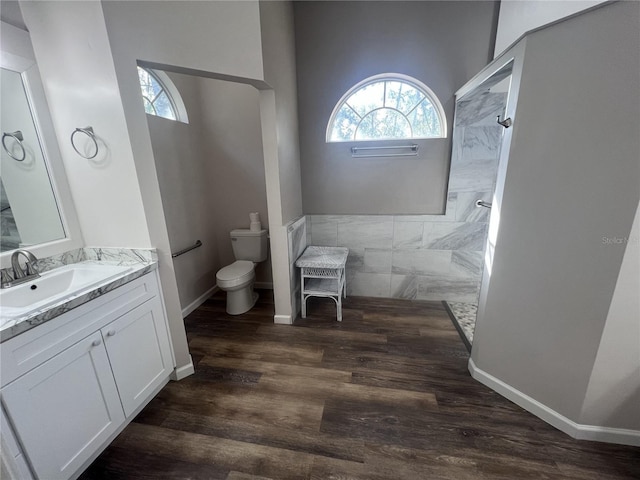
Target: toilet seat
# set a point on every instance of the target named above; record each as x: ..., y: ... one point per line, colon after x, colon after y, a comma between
x: 239, y: 272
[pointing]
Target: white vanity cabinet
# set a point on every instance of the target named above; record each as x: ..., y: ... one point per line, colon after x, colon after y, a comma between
x: 65, y: 409
x: 88, y: 372
x: 139, y: 353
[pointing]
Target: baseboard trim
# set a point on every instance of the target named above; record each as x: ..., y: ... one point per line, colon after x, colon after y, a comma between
x: 576, y: 430
x: 282, y: 319
x: 183, y: 372
x: 263, y: 285
x: 199, y: 301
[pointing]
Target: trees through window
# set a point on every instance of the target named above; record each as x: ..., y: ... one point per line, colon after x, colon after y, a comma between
x: 160, y: 96
x: 387, y: 107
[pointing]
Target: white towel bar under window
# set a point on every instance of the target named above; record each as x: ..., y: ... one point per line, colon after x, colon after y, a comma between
x: 412, y: 153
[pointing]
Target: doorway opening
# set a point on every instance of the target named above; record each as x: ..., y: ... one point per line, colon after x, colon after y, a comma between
x: 478, y: 134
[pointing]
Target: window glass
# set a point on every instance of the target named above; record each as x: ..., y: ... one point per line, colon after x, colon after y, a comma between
x: 402, y: 96
x: 383, y: 123
x: 424, y: 119
x: 154, y: 95
x: 163, y: 106
x: 345, y: 123
x: 385, y: 107
x: 367, y: 98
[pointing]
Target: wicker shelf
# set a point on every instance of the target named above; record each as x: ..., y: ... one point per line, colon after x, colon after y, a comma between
x: 321, y: 286
x: 322, y: 274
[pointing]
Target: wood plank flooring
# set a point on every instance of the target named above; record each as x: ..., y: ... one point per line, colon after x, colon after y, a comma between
x: 383, y: 395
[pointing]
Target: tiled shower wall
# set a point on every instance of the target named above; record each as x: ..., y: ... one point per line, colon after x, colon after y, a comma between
x: 427, y: 257
x: 297, y: 238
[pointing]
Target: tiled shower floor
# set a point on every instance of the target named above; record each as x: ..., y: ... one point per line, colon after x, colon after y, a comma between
x: 465, y: 315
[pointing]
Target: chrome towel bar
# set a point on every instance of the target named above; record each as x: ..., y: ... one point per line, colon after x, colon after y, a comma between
x: 188, y: 249
x: 413, y: 151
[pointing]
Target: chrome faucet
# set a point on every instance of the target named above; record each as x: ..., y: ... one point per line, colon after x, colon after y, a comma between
x: 20, y: 275
x: 29, y: 266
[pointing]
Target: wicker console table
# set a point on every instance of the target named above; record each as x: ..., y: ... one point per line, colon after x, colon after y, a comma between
x: 322, y: 274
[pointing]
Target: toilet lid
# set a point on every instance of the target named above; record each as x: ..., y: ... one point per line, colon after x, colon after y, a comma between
x: 236, y: 270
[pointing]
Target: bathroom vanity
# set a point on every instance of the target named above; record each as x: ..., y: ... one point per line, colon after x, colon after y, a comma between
x: 72, y: 379
x: 84, y: 346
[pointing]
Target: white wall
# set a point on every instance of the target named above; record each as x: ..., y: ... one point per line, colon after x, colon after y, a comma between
x: 75, y: 60
x: 280, y: 142
x: 218, y: 37
x: 613, y: 394
x: 571, y: 180
x: 16, y: 42
x: 278, y: 50
x: 211, y: 175
x: 519, y: 16
x: 179, y: 153
x: 234, y: 163
x: 338, y: 44
x: 88, y: 53
x: 11, y: 14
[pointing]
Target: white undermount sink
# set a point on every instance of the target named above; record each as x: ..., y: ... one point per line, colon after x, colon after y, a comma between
x: 54, y: 287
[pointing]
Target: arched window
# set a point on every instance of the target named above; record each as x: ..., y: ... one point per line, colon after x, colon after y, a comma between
x: 160, y: 96
x: 386, y: 107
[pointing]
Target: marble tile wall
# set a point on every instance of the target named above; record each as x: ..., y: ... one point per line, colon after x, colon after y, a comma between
x: 297, y: 240
x: 427, y: 257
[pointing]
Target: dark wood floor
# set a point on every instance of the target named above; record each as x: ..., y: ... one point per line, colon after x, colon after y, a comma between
x: 383, y: 395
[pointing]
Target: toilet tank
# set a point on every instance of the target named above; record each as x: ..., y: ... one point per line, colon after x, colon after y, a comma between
x: 249, y: 244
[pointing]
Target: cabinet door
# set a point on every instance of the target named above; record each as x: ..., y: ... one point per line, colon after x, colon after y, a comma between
x: 11, y: 454
x: 65, y: 409
x: 139, y: 352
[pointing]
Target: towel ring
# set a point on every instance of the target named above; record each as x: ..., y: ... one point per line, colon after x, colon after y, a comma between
x: 88, y: 131
x: 17, y: 136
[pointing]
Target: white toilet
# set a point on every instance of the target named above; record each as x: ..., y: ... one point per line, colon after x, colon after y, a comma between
x: 249, y: 248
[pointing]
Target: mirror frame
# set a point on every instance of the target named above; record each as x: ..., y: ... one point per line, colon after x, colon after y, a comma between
x: 16, y: 54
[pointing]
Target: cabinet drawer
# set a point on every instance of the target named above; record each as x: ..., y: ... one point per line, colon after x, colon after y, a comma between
x: 30, y: 349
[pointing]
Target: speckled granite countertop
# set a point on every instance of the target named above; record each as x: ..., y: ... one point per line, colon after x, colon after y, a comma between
x: 141, y: 261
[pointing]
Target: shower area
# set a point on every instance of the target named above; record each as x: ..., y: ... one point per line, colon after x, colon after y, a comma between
x: 477, y: 138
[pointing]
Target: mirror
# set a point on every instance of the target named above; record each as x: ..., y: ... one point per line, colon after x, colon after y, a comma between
x: 37, y: 211
x: 29, y: 214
